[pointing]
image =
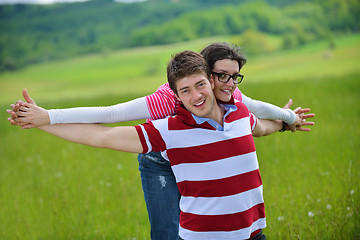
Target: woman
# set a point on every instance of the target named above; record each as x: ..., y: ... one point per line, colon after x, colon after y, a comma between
x: 159, y: 185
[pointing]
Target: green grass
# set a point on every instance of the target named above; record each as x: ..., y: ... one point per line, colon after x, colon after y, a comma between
x: 52, y: 189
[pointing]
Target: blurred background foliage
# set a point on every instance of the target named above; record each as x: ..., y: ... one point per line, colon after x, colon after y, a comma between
x: 36, y: 33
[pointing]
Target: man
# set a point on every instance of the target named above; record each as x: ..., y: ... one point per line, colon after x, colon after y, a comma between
x: 210, y: 148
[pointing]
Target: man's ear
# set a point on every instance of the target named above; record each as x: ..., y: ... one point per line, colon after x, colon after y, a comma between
x: 177, y: 97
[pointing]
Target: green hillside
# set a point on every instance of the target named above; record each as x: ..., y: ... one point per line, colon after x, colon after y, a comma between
x: 141, y: 70
x: 36, y: 33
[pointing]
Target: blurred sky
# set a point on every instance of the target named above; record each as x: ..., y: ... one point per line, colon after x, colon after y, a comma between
x: 37, y: 1
x: 54, y: 1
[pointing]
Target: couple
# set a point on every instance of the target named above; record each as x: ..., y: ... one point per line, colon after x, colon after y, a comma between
x: 221, y: 189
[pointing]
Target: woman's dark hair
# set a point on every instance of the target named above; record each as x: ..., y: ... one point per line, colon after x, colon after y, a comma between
x: 219, y: 51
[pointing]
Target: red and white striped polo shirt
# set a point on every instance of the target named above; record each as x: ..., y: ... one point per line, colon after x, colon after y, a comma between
x: 217, y: 173
x: 163, y: 102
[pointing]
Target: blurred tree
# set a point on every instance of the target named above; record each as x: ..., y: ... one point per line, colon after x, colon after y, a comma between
x: 253, y: 42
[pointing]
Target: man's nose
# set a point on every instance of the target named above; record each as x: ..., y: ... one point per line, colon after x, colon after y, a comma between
x: 196, y: 94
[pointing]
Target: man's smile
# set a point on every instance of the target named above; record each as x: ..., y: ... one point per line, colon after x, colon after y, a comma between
x: 199, y: 104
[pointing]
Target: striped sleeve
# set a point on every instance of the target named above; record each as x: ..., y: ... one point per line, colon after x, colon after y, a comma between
x: 237, y: 94
x: 253, y: 121
x: 245, y: 111
x: 150, y: 138
x: 161, y: 103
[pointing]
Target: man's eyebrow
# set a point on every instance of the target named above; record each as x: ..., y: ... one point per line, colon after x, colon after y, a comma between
x: 202, y: 80
x: 183, y: 88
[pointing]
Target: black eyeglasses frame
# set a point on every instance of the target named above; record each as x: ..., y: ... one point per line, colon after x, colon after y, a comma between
x: 235, y: 81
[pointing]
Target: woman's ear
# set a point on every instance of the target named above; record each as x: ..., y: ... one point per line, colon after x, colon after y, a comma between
x: 212, y: 81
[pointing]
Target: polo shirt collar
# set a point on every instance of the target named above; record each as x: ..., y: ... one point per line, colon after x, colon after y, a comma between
x: 192, y: 120
x: 201, y: 120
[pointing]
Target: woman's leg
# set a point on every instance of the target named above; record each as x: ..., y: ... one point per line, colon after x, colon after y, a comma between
x: 161, y: 196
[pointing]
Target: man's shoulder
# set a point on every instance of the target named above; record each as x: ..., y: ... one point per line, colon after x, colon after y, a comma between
x: 241, y: 112
x: 241, y: 106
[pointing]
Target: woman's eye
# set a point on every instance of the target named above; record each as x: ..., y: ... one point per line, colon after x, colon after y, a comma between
x: 222, y: 75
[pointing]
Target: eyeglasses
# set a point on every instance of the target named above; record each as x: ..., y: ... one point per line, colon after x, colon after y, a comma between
x: 224, y: 77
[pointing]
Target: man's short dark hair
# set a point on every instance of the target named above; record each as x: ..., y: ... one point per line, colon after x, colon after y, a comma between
x: 185, y: 64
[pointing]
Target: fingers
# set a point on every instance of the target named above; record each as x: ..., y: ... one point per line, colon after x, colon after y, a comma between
x: 303, y: 129
x: 12, y: 113
x: 16, y: 122
x: 297, y: 110
x: 21, y: 124
x: 18, y: 117
x: 28, y: 126
x: 310, y: 115
x: 15, y: 107
x: 304, y: 110
x: 292, y: 128
x: 20, y: 112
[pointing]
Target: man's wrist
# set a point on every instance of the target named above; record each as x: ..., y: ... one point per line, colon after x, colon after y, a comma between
x: 284, y: 127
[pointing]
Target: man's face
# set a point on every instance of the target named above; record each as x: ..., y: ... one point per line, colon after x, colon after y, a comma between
x: 196, y: 93
x: 224, y: 91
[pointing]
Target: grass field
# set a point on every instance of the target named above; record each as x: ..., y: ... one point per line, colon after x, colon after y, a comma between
x: 52, y: 189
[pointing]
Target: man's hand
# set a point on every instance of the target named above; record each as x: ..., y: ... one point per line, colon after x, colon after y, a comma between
x: 301, y: 116
x: 27, y: 114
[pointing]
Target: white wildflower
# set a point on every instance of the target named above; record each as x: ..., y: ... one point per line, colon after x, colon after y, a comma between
x: 280, y: 218
x: 58, y: 174
x: 328, y: 206
x: 311, y: 214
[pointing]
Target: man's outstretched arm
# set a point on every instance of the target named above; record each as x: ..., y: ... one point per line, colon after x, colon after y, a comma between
x: 122, y: 138
x: 266, y: 127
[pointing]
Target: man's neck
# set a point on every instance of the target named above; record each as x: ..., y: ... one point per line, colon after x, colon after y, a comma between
x: 218, y: 114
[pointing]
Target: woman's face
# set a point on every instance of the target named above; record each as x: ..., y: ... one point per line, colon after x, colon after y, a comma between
x: 224, y: 91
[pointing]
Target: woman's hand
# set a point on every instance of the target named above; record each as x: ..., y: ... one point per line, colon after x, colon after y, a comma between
x: 28, y: 114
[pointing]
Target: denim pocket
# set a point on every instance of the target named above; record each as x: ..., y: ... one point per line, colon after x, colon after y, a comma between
x: 154, y: 157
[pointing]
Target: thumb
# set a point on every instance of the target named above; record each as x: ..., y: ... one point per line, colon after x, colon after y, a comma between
x: 288, y: 105
x: 27, y: 97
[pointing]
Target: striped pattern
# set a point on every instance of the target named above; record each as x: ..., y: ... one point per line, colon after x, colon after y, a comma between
x: 217, y: 173
x: 163, y: 102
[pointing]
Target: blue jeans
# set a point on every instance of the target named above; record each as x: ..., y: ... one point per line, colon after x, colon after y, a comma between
x: 161, y: 196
